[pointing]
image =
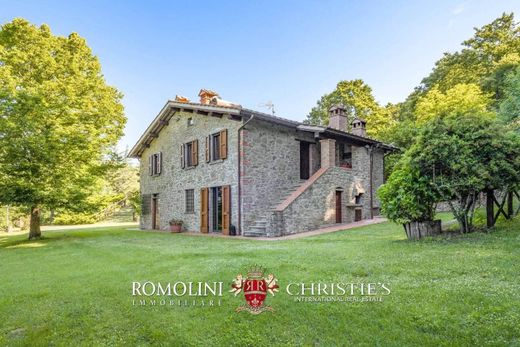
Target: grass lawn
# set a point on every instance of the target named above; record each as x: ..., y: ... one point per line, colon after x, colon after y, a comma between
x: 74, y: 288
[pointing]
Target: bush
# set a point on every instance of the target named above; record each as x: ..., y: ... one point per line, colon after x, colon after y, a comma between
x: 407, y: 196
x: 74, y: 219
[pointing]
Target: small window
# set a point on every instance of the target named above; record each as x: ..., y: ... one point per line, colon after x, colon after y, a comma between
x: 215, y: 146
x: 188, y: 149
x: 155, y: 164
x: 190, y: 154
x: 190, y: 121
x: 190, y: 200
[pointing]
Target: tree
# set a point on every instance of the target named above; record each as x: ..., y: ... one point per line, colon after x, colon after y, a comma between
x: 407, y: 195
x: 355, y: 94
x: 464, y: 155
x: 460, y: 100
x: 58, y: 118
x: 509, y: 109
x: 483, y: 60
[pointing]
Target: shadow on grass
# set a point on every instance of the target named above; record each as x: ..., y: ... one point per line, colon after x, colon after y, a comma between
x: 21, y: 240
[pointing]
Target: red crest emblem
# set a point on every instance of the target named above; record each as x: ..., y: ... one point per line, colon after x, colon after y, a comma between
x: 255, y: 287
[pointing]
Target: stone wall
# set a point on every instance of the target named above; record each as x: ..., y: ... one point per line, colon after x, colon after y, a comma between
x: 173, y: 181
x: 270, y: 166
x: 316, y: 206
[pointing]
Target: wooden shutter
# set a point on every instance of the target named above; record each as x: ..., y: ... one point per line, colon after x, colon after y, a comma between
x: 223, y: 144
x: 226, y: 209
x: 182, y: 156
x: 204, y: 215
x: 150, y: 165
x: 207, y: 148
x: 195, y: 153
x: 159, y: 163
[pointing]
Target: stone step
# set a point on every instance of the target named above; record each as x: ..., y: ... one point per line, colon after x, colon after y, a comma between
x: 254, y: 233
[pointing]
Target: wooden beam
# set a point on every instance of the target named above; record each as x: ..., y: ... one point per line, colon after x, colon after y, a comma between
x: 500, y: 207
x: 510, y: 211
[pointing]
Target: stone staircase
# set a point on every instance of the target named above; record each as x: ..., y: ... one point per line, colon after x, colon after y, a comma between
x: 259, y: 227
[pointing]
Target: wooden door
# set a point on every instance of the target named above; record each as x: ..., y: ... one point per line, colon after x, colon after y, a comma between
x: 358, y: 214
x: 304, y: 160
x: 204, y: 215
x: 226, y: 209
x: 155, y: 212
x: 339, y: 218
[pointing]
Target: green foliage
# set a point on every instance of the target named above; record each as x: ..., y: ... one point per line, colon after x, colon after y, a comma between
x: 485, y: 58
x: 75, y: 218
x: 407, y: 195
x: 464, y: 155
x: 509, y: 111
x: 458, y: 101
x: 58, y: 117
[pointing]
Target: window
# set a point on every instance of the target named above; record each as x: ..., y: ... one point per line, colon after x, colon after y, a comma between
x: 190, y: 154
x: 188, y: 148
x: 190, y: 200
x: 190, y: 121
x: 155, y: 164
x: 345, y: 155
x: 216, y: 146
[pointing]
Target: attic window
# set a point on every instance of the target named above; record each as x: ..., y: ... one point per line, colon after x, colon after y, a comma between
x: 190, y: 121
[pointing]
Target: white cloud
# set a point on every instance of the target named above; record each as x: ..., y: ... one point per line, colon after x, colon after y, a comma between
x: 458, y: 9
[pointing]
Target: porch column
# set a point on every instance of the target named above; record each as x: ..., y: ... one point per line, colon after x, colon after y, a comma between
x: 328, y: 153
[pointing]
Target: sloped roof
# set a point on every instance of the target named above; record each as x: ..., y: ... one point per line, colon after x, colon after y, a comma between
x: 239, y: 113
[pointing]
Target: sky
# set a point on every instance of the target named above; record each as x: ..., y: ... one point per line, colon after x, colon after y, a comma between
x: 251, y: 52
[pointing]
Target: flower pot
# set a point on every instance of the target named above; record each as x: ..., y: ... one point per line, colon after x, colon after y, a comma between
x: 176, y: 228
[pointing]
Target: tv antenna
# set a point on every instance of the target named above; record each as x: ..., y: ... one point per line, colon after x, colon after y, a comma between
x: 269, y: 105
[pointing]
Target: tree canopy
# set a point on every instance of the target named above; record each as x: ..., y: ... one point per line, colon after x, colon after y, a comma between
x: 58, y: 118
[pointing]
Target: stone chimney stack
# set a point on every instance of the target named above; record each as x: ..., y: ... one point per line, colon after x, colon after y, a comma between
x: 338, y: 117
x: 359, y: 127
x: 206, y: 95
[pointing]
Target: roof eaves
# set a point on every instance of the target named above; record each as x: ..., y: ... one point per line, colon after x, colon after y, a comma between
x: 166, y: 113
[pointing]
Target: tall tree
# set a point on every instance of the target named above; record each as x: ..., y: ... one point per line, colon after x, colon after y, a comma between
x: 460, y: 100
x: 356, y: 95
x: 484, y: 60
x: 509, y: 108
x: 58, y: 118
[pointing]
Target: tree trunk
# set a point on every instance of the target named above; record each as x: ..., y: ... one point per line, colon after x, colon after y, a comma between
x: 490, y: 209
x: 418, y: 230
x: 34, y: 230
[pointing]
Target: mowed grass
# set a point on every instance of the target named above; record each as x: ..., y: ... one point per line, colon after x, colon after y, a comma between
x: 74, y: 288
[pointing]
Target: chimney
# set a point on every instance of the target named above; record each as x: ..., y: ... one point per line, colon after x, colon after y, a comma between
x: 359, y: 127
x: 338, y: 117
x: 206, y: 95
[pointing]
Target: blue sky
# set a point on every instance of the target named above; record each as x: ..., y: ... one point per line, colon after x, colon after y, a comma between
x: 289, y: 52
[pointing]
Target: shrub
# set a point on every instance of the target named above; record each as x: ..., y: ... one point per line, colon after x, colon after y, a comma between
x: 74, y: 219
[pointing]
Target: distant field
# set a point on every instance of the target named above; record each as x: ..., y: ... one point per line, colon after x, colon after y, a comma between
x: 74, y: 288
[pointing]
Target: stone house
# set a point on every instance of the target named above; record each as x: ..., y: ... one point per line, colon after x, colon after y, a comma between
x: 219, y: 167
